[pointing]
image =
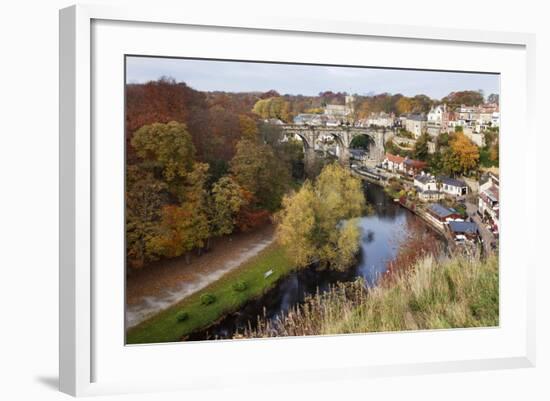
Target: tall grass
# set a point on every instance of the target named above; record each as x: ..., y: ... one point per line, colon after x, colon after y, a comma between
x: 449, y: 292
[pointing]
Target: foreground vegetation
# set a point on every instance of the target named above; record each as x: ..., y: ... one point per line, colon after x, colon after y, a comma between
x: 224, y: 296
x: 456, y: 292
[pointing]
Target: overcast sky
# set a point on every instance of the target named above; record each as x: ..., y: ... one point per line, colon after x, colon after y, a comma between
x: 231, y: 76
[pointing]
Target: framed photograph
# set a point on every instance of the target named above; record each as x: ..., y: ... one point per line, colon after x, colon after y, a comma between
x: 279, y: 199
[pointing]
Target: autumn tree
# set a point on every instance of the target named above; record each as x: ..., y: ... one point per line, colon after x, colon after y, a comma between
x: 403, y: 106
x: 274, y: 107
x: 185, y: 226
x: 421, y: 104
x: 317, y: 224
x: 227, y: 200
x: 363, y: 109
x: 467, y: 98
x: 256, y: 169
x: 144, y: 197
x: 166, y: 149
x: 248, y: 127
x: 462, y: 156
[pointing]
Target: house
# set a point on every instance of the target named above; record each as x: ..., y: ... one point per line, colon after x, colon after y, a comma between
x: 426, y: 187
x: 394, y: 163
x: 425, y: 182
x: 442, y: 214
x: 336, y: 110
x: 462, y: 230
x: 452, y: 186
x: 308, y: 119
x: 340, y: 111
x: 414, y: 167
x: 380, y: 120
x: 416, y: 124
x: 437, y: 120
x: 488, y: 201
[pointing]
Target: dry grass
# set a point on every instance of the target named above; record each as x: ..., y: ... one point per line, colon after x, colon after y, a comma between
x: 456, y: 292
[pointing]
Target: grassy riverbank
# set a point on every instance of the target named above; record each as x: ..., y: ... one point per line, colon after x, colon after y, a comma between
x: 228, y: 293
x: 450, y: 293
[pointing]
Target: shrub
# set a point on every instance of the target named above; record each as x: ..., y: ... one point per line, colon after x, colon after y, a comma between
x: 182, y: 316
x: 207, y: 299
x: 240, y: 286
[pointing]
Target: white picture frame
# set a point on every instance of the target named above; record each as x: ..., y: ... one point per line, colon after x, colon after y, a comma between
x: 82, y: 344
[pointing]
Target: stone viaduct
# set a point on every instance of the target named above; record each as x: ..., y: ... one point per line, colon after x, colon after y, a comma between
x: 342, y: 135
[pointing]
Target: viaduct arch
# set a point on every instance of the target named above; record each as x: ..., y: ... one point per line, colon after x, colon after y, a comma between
x: 342, y: 134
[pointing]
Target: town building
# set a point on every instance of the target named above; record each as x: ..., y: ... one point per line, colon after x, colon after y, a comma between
x: 438, y: 120
x: 441, y: 215
x: 463, y: 230
x: 309, y: 119
x: 426, y: 187
x: 452, y: 186
x: 381, y: 119
x: 488, y: 201
x: 416, y: 124
x: 394, y: 163
x: 339, y: 111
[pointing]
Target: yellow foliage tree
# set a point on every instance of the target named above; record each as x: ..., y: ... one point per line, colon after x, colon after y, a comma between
x: 317, y: 223
x: 403, y: 105
x: 249, y: 128
x: 464, y: 152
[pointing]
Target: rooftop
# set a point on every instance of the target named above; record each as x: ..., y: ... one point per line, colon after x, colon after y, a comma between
x: 463, y: 227
x: 452, y: 181
x: 440, y: 210
x: 395, y: 158
x: 415, y: 163
x: 424, y: 178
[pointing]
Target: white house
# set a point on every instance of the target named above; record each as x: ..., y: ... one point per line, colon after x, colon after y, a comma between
x: 426, y: 187
x: 425, y: 182
x: 452, y: 186
x: 394, y: 163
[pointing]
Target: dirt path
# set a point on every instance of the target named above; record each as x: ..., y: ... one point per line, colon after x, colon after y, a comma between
x: 164, y: 283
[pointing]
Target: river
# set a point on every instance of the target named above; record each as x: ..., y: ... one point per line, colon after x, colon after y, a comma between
x: 382, y: 233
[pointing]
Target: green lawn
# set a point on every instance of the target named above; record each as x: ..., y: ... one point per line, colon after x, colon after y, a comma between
x: 165, y: 327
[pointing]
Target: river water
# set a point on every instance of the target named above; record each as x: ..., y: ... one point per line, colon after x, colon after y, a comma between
x: 382, y: 233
